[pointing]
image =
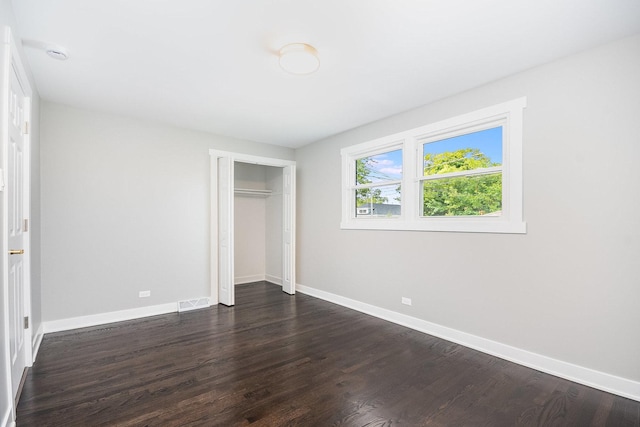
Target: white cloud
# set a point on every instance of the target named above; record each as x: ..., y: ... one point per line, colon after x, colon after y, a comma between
x: 384, y: 162
x: 391, y: 171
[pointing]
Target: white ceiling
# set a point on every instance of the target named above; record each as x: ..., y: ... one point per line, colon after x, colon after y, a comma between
x: 211, y: 65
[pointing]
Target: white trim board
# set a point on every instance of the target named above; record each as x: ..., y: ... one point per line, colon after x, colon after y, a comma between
x: 111, y: 317
x: 36, y: 341
x: 276, y: 280
x: 241, y: 280
x: 589, y: 377
x: 6, y: 420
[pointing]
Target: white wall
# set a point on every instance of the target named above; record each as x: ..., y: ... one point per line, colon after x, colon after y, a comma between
x: 6, y: 400
x: 125, y: 208
x: 569, y: 288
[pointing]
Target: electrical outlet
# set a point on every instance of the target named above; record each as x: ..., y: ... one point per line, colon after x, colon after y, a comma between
x: 406, y: 301
x: 144, y: 294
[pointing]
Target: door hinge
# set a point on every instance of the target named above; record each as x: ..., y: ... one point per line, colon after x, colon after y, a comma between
x: 26, y: 224
x: 26, y: 128
x: 26, y: 322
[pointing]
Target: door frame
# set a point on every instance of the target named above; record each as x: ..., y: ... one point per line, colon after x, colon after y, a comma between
x: 288, y: 216
x: 13, y: 63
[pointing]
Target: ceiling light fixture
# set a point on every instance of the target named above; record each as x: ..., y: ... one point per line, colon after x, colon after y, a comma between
x: 53, y: 50
x: 299, y: 58
x: 57, y: 53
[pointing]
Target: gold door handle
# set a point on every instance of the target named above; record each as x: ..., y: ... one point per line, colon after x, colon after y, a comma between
x: 16, y: 251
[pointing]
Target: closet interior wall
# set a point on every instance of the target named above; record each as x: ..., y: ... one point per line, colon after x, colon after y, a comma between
x: 258, y: 223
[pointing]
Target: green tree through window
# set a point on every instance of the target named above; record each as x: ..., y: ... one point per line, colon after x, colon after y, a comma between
x: 461, y: 195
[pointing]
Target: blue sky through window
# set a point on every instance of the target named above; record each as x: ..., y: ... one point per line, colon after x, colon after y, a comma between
x: 488, y: 141
x: 385, y: 166
x: 388, y: 166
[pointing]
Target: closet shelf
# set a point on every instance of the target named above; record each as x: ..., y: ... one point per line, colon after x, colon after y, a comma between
x: 253, y: 192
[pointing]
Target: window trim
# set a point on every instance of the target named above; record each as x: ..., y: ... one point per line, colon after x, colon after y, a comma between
x: 508, y: 114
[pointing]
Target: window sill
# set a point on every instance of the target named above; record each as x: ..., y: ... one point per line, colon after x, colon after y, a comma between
x: 441, y: 225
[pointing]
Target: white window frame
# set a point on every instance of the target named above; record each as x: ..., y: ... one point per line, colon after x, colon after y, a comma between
x: 508, y: 115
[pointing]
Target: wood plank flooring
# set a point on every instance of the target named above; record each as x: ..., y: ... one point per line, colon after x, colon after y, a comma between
x: 280, y: 360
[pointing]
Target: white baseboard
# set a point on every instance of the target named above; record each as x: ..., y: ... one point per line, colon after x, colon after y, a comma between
x: 579, y: 374
x: 273, y: 279
x: 36, y: 340
x: 103, y: 318
x: 241, y: 280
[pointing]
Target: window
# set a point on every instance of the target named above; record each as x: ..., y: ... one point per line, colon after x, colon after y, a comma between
x: 460, y: 174
x: 377, y: 184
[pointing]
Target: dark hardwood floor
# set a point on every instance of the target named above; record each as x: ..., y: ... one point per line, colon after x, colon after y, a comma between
x: 276, y: 360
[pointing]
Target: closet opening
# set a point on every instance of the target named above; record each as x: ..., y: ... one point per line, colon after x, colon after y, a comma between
x: 252, y: 223
x: 257, y: 223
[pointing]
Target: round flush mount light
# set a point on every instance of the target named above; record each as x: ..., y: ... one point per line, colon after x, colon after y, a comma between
x: 299, y: 58
x: 53, y: 50
x: 57, y: 53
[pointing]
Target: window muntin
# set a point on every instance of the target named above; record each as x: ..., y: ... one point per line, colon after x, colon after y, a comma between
x: 377, y: 187
x: 462, y: 175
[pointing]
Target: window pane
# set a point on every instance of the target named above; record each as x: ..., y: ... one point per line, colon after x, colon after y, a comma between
x: 382, y: 201
x: 475, y: 150
x: 379, y: 168
x: 467, y: 195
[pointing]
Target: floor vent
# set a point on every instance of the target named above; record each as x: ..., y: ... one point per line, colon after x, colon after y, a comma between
x: 193, y: 304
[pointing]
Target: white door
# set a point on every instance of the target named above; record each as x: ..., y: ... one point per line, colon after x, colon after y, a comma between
x: 16, y: 233
x: 288, y: 227
x: 225, y: 231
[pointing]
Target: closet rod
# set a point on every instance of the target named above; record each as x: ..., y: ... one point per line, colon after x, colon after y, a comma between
x: 253, y: 192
